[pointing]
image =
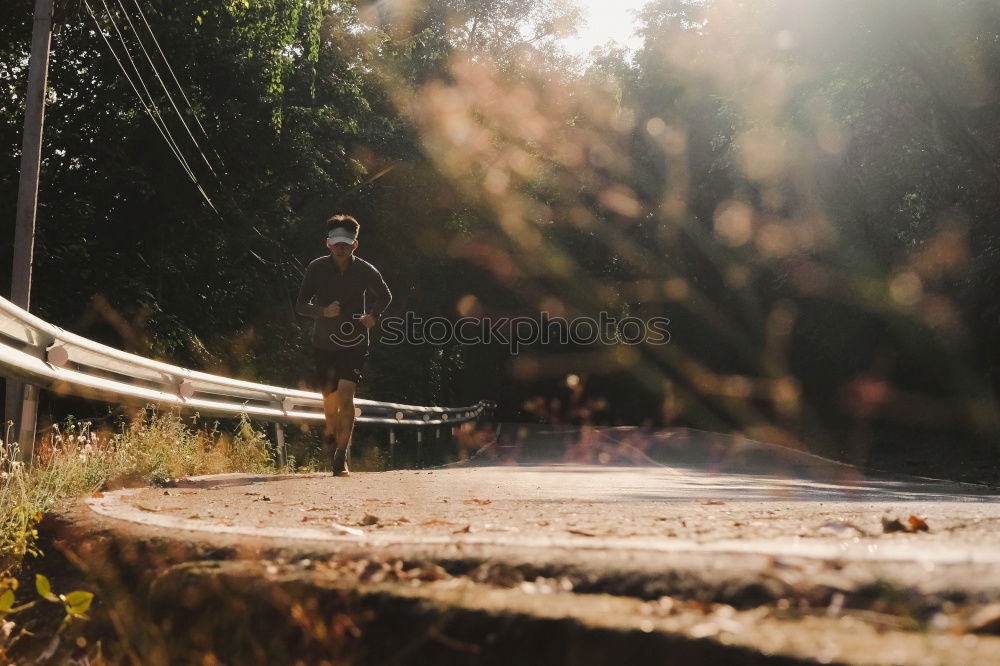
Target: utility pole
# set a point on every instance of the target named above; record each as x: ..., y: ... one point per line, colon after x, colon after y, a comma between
x: 22, y: 400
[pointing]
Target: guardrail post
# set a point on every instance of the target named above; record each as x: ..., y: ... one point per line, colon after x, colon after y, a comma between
x: 392, y: 448
x: 279, y: 437
x: 28, y: 421
x: 420, y: 448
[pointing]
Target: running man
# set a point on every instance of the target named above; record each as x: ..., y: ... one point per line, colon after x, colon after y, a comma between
x: 345, y: 295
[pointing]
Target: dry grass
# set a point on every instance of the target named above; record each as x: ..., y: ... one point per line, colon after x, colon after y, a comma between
x: 152, y: 448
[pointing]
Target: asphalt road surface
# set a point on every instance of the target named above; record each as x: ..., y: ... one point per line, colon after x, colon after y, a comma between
x: 817, y: 562
x: 655, y: 508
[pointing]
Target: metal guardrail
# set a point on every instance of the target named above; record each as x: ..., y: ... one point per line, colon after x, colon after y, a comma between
x: 36, y: 352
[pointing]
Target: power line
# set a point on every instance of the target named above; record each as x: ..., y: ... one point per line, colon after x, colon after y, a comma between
x: 154, y: 115
x: 170, y: 69
x: 227, y: 189
x: 163, y: 84
x: 225, y: 186
x: 154, y: 111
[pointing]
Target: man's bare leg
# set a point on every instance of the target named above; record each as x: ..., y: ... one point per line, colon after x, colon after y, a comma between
x: 331, y: 405
x: 343, y: 424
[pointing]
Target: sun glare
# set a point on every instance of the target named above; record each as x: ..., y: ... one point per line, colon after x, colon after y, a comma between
x: 606, y: 21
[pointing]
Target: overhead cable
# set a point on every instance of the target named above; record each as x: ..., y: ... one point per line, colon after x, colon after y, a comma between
x: 150, y: 111
x: 155, y: 112
x: 163, y: 84
x: 170, y: 69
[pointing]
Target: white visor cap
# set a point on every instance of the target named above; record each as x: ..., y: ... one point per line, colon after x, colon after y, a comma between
x: 341, y: 236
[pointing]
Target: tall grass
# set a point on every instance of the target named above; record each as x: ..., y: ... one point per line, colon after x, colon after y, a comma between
x: 75, y: 460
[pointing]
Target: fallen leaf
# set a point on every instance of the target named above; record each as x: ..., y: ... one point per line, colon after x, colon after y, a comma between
x: 98, y: 495
x: 986, y: 620
x: 892, y: 525
x: 403, y: 519
x: 465, y: 530
x: 581, y: 533
x: 913, y: 524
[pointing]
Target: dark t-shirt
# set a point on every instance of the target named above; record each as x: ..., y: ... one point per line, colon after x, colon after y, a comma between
x: 360, y: 290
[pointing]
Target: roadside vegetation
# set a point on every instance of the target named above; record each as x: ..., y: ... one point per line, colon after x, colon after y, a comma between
x: 75, y: 459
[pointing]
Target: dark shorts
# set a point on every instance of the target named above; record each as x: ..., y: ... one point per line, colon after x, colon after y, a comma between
x: 333, y: 365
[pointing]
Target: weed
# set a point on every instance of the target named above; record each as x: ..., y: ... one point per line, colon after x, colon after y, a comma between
x: 152, y: 448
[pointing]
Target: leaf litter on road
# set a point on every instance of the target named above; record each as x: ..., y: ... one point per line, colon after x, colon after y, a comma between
x: 913, y: 524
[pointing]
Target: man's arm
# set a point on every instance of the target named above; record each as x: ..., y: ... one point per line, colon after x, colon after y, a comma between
x: 381, y: 296
x: 303, y: 304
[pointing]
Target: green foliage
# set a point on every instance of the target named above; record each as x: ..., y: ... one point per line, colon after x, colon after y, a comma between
x: 75, y: 604
x: 250, y: 450
x: 806, y: 188
x: 152, y: 448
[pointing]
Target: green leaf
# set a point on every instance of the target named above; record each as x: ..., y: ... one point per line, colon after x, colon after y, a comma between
x: 6, y: 601
x: 78, y: 602
x: 44, y: 588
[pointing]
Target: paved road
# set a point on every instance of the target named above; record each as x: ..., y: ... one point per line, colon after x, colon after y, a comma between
x: 788, y: 566
x: 655, y: 508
